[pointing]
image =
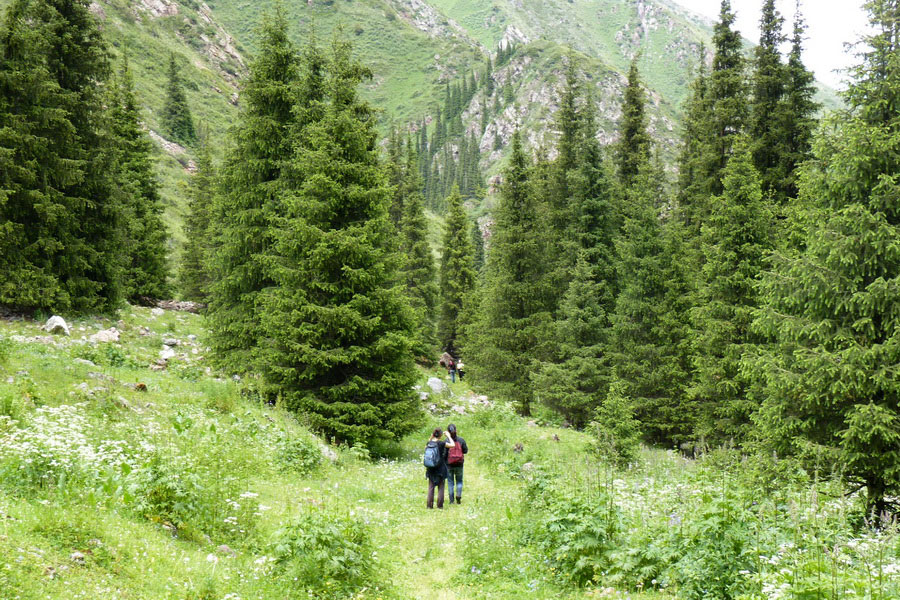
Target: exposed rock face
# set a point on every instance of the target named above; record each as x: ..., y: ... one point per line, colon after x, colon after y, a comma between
x: 437, y: 386
x: 56, y: 324
x: 158, y: 8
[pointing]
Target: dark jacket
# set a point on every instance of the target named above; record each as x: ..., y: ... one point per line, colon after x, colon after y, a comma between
x: 440, y: 472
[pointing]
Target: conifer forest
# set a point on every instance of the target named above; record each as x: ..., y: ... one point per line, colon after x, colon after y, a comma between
x: 240, y: 242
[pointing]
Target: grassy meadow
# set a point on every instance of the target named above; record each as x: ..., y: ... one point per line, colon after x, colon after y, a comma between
x: 121, y: 481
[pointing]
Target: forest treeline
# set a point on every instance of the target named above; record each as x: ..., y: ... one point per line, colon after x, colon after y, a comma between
x: 750, y: 302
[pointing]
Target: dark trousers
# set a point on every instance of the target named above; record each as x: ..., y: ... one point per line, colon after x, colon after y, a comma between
x: 440, y: 486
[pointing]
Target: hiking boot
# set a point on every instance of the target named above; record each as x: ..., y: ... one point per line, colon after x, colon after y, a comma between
x: 451, y: 499
x: 458, y: 500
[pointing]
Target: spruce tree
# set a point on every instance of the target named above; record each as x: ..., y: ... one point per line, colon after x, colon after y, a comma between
x: 457, y: 273
x: 176, y: 114
x: 796, y: 117
x: 633, y: 148
x: 828, y: 380
x: 146, y: 270
x: 338, y: 330
x: 60, y: 211
x: 727, y: 99
x: 574, y: 385
x: 509, y: 338
x: 768, y: 86
x: 196, y: 275
x: 253, y: 189
x: 648, y: 338
x: 418, y: 267
x: 735, y: 243
x: 692, y: 186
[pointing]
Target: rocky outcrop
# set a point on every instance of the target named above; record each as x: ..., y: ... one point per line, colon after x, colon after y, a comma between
x: 56, y: 324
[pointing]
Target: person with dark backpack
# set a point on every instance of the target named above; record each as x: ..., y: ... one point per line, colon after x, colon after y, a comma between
x: 455, y: 460
x: 435, y: 461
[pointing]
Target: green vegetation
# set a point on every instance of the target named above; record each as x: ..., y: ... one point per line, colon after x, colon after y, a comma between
x: 194, y: 488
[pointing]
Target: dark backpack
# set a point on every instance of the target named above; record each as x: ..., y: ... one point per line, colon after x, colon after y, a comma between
x: 432, y: 455
x: 455, y: 457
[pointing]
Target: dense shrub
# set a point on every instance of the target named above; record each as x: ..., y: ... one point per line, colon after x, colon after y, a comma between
x: 298, y: 454
x: 328, y: 555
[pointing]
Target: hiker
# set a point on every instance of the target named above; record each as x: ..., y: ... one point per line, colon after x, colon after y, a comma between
x: 436, y: 466
x: 451, y: 371
x: 455, y: 460
x: 460, y: 369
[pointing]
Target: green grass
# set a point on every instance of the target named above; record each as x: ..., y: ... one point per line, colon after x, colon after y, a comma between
x: 117, y: 481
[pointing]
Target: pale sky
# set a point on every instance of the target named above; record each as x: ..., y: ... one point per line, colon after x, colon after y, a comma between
x: 829, y: 25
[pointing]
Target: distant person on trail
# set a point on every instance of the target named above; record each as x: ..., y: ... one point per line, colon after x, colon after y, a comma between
x: 455, y: 460
x: 448, y: 362
x: 460, y: 369
x: 436, y: 466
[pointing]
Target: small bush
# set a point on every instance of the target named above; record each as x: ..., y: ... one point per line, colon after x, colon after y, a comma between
x: 325, y: 554
x: 298, y: 454
x: 578, y: 535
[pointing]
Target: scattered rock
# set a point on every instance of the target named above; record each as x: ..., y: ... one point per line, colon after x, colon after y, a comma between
x: 166, y: 353
x: 105, y: 336
x: 223, y: 549
x: 235, y: 377
x: 532, y: 423
x: 170, y: 342
x: 555, y: 438
x: 192, y: 338
x: 423, y: 396
x: 181, y: 306
x: 145, y: 331
x: 518, y: 448
x: 437, y: 386
x: 528, y: 467
x: 83, y: 361
x: 77, y: 557
x: 157, y: 312
x: 159, y: 365
x: 140, y: 387
x: 328, y: 453
x: 460, y: 409
x: 56, y: 324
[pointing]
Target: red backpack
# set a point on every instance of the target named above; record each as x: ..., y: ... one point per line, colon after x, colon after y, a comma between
x: 455, y: 456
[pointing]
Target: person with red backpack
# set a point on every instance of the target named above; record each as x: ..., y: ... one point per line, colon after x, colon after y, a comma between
x: 435, y: 460
x: 455, y: 460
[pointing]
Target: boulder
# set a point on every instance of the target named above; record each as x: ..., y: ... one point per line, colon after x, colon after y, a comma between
x: 170, y: 342
x: 83, y: 361
x: 166, y: 353
x: 56, y: 324
x: 328, y: 453
x: 105, y: 336
x: 437, y: 386
x: 157, y: 312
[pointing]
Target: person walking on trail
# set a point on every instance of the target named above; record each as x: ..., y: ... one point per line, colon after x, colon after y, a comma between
x: 451, y: 371
x: 436, y: 466
x: 455, y: 460
x: 460, y: 369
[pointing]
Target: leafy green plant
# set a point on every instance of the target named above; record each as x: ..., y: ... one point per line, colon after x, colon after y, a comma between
x: 328, y: 555
x: 578, y: 535
x: 298, y: 454
x: 6, y: 350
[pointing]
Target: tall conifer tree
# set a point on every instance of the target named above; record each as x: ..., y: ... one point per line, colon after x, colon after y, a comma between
x: 60, y: 213
x: 510, y: 336
x: 829, y: 384
x: 727, y: 98
x: 648, y: 340
x: 418, y: 267
x: 338, y: 329
x: 176, y: 114
x: 254, y: 189
x: 146, y: 269
x: 457, y: 274
x: 768, y: 87
x: 196, y: 275
x: 796, y: 116
x: 692, y: 187
x: 735, y: 243
x: 633, y: 148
